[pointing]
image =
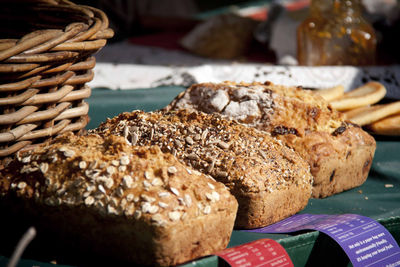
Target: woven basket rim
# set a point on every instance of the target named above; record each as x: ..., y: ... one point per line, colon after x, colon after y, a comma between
x: 44, y: 73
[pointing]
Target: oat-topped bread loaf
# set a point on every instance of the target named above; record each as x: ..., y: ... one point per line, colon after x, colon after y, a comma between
x: 124, y: 203
x: 269, y: 180
x: 339, y: 153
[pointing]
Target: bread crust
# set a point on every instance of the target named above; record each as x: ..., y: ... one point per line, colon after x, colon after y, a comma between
x: 127, y: 204
x: 255, y: 167
x: 339, y: 153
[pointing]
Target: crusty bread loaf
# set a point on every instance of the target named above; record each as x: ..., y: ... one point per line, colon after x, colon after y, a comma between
x: 269, y: 180
x: 339, y: 153
x: 132, y: 205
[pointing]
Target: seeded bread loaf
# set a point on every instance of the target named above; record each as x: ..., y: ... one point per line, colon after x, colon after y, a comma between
x: 339, y: 153
x: 127, y: 204
x: 269, y: 180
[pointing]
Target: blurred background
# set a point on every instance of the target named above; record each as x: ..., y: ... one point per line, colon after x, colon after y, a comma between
x: 246, y: 31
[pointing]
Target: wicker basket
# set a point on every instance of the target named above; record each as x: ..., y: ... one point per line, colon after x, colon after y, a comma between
x: 45, y: 60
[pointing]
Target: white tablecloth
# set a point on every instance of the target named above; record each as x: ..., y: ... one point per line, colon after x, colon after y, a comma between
x: 126, y: 66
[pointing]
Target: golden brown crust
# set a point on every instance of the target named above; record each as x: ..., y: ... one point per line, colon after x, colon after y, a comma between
x: 301, y: 119
x: 249, y: 162
x: 133, y: 196
x: 337, y: 163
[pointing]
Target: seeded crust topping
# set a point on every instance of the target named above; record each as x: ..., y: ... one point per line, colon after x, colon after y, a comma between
x: 115, y: 179
x: 264, y: 106
x: 241, y: 157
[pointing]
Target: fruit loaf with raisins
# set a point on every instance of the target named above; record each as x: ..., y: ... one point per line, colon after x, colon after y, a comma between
x: 340, y: 153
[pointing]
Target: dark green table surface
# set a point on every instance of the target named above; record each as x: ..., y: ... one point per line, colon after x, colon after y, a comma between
x: 106, y: 103
x: 309, y: 248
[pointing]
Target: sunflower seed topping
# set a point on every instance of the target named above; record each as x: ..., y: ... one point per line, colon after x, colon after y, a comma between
x: 147, y: 175
x: 124, y: 160
x: 163, y: 205
x: 207, y: 209
x: 147, y: 198
x: 110, y: 169
x: 89, y: 201
x: 146, y: 184
x: 130, y: 210
x: 130, y: 197
x: 101, y: 188
x: 127, y: 181
x: 172, y: 170
x: 148, y: 208
x: 223, y: 145
x: 68, y: 153
x: 215, y: 196
x: 158, y: 220
x: 157, y: 182
x: 175, y: 191
x: 21, y: 185
x: 211, y: 186
x: 174, y: 215
x: 26, y: 159
x: 188, y: 200
x: 189, y: 140
x: 137, y: 214
x: 163, y: 194
x: 120, y: 192
x: 111, y: 210
x: 44, y: 167
x: 82, y: 164
x: 192, y: 156
x: 178, y: 143
x: 134, y: 138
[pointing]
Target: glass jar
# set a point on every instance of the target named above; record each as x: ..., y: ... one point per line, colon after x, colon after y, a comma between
x: 335, y: 33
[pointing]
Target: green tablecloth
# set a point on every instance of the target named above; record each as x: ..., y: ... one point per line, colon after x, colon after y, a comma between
x: 105, y: 103
x: 374, y: 198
